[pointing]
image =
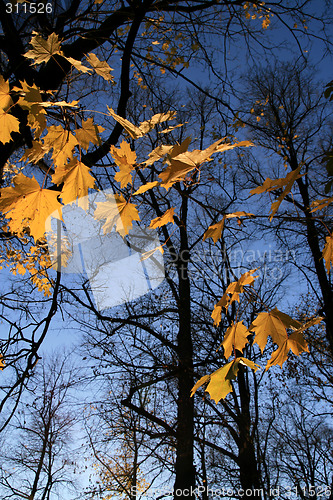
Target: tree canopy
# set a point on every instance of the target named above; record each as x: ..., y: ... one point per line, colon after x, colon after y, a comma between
x: 137, y: 154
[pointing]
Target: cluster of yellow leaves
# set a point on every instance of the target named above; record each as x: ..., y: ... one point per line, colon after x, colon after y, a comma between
x: 232, y: 294
x: 286, y: 184
x: 125, y: 158
x: 272, y: 324
x: 43, y: 50
x: 258, y: 13
x: 274, y: 184
x: 180, y: 162
x: 35, y: 260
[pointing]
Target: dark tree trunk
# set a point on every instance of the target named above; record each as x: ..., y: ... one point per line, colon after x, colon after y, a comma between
x: 184, y: 468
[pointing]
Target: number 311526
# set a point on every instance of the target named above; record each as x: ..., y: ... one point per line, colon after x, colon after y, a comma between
x: 31, y: 8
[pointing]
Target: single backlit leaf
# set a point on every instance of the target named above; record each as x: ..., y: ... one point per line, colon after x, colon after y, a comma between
x: 295, y: 342
x: 28, y: 205
x: 78, y: 65
x: 8, y: 124
x: 265, y: 324
x: 77, y: 180
x: 235, y: 338
x: 328, y: 253
x: 62, y: 141
x: 88, y: 133
x: 5, y: 99
x: 214, y: 231
x: 43, y: 50
x: 145, y: 187
x: 101, y: 67
x: 220, y: 381
x: 163, y: 219
x: 117, y: 212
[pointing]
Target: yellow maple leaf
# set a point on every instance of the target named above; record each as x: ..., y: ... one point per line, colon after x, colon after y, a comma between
x: 62, y: 141
x: 144, y: 127
x: 273, y: 184
x: 295, y: 342
x: 321, y: 204
x: 265, y: 324
x: 183, y: 163
x: 78, y: 65
x: 220, y: 381
x: 117, y: 212
x: 157, y: 153
x: 27, y: 204
x: 31, y: 100
x: 145, y: 187
x: 163, y: 219
x: 235, y: 338
x: 232, y: 294
x: 125, y: 158
x: 215, y: 231
x: 8, y: 124
x: 5, y: 99
x: 123, y: 155
x: 328, y: 253
x: 88, y: 133
x: 101, y: 67
x: 43, y: 50
x: 77, y: 180
x: 35, y: 153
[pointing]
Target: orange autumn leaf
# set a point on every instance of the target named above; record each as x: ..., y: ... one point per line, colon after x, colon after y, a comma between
x: 101, y: 67
x: 117, y: 212
x: 62, y: 142
x: 235, y: 338
x: 43, y: 50
x: 295, y: 342
x: 232, y: 294
x: 163, y: 219
x: 145, y: 187
x: 215, y: 231
x: 28, y: 205
x: 5, y: 99
x: 273, y: 184
x: 77, y: 180
x: 220, y: 381
x: 8, y: 124
x: 275, y: 324
x: 88, y: 133
x: 328, y: 253
x: 125, y: 158
x: 144, y: 127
